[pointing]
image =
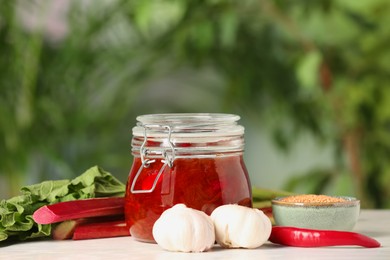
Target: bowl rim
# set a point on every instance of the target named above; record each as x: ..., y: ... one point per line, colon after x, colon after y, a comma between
x: 349, y: 201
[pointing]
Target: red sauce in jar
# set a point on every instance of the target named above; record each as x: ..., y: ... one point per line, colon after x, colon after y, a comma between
x: 200, y: 183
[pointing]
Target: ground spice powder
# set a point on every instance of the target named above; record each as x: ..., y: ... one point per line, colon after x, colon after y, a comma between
x: 312, y: 198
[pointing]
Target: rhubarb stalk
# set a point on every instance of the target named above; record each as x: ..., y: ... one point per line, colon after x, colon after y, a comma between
x: 101, y: 230
x: 77, y: 209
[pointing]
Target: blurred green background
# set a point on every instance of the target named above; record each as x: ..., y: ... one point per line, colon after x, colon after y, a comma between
x: 310, y: 80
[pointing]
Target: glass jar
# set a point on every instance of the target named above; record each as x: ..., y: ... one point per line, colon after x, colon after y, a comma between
x: 195, y: 159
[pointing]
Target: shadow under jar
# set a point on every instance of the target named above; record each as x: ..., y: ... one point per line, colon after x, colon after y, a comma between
x: 195, y: 159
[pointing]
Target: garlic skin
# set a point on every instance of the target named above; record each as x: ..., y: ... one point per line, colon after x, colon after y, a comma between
x: 240, y: 227
x: 184, y: 229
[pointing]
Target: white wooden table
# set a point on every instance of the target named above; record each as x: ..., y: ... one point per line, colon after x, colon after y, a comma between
x: 375, y: 223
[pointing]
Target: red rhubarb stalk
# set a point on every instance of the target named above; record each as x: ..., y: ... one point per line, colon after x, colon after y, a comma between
x: 101, y: 230
x: 64, y: 230
x: 76, y: 209
x: 301, y: 237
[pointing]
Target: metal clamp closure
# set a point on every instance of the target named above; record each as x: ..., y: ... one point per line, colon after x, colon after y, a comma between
x: 132, y: 188
x: 167, y: 154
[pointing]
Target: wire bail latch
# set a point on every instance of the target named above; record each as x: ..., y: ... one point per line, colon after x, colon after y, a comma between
x: 168, y: 155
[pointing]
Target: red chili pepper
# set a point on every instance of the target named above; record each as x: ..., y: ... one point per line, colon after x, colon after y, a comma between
x: 301, y: 237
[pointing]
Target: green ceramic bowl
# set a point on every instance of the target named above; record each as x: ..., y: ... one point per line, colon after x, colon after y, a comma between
x: 327, y: 216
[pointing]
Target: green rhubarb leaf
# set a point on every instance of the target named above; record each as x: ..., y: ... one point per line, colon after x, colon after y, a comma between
x: 16, y: 220
x: 3, y: 236
x: 47, y: 190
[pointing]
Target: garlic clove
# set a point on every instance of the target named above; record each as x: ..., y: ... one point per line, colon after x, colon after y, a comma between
x: 184, y: 229
x: 240, y: 227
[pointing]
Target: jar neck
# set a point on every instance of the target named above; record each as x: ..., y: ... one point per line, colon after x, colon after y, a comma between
x: 171, y: 136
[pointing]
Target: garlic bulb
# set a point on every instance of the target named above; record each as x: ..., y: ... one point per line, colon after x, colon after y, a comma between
x: 184, y: 229
x: 240, y: 227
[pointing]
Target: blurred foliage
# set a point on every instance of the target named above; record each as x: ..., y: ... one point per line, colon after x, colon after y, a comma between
x: 297, y: 66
